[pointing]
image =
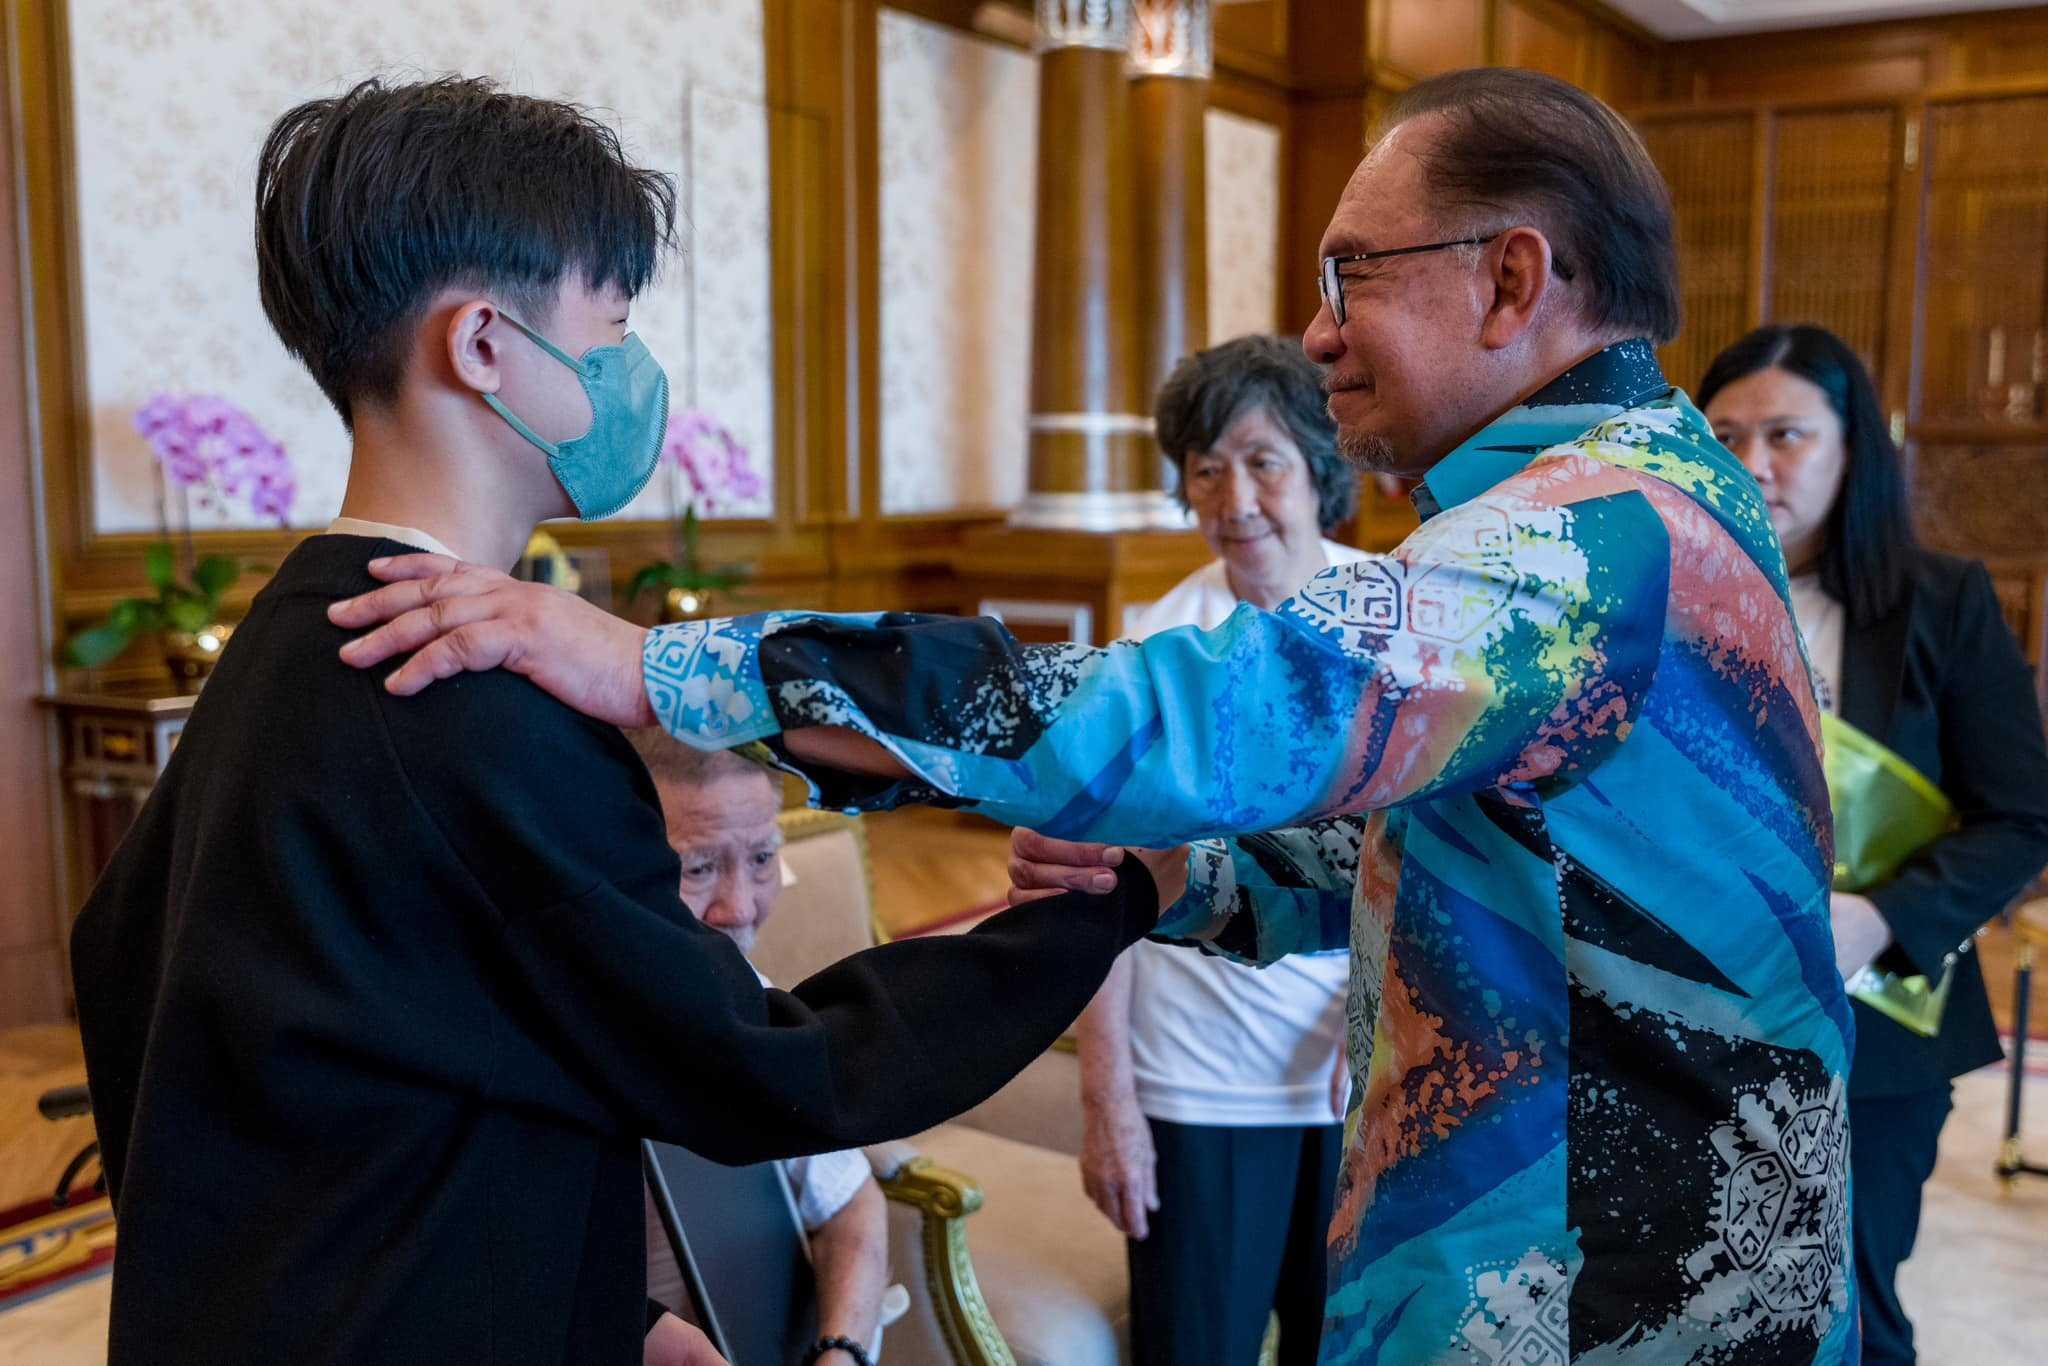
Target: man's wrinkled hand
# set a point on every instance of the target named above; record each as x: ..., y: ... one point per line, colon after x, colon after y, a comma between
x: 453, y: 617
x: 1043, y: 866
x: 1118, y: 1166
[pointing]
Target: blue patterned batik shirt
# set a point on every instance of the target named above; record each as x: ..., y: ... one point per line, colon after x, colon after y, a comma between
x: 1551, y: 770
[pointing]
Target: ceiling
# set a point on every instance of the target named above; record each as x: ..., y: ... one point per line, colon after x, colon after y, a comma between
x: 1719, y: 18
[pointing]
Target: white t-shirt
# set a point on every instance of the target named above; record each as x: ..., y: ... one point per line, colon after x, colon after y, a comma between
x: 1822, y: 622
x: 1212, y: 1041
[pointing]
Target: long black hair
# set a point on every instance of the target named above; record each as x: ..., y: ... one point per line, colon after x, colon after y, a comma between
x: 1863, y: 561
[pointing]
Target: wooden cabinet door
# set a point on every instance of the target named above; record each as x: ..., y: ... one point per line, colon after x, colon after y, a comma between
x: 1830, y: 231
x: 1985, y: 319
x: 1709, y: 161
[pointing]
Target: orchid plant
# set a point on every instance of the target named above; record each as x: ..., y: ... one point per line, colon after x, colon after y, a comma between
x: 708, y: 470
x: 208, y: 453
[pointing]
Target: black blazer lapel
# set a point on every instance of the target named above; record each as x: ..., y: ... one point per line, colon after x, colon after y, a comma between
x: 1873, y: 662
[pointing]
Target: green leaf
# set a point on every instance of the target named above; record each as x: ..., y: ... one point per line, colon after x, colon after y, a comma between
x: 132, y: 615
x: 157, y: 562
x: 96, y: 645
x: 215, y: 575
x: 660, y: 574
x: 187, y: 612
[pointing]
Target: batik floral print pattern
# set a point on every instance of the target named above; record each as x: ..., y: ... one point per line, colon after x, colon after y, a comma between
x: 1551, y: 769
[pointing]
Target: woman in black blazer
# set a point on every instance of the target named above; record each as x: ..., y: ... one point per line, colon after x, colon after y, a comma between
x: 1908, y: 646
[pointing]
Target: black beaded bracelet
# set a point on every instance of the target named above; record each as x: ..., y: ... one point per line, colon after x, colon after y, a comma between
x: 846, y: 1345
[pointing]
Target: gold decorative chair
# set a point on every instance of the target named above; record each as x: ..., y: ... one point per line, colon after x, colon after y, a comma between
x: 1009, y: 1266
x: 2030, y: 929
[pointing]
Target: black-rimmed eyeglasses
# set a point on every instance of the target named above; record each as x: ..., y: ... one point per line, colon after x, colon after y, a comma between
x: 1333, y: 277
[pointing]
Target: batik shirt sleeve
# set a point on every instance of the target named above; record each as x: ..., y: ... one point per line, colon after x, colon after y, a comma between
x: 1257, y: 898
x: 1505, y: 643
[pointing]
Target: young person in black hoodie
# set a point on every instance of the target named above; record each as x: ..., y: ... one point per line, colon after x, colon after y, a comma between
x: 379, y: 995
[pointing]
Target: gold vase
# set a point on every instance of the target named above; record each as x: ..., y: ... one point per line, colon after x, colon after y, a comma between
x: 686, y: 604
x: 191, y: 655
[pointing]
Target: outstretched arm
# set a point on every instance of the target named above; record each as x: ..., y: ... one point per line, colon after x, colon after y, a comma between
x: 1253, y: 898
x: 1507, y: 640
x: 622, y: 1013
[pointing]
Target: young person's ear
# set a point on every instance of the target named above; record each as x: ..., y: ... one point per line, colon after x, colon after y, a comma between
x: 475, y: 333
x: 1521, y: 278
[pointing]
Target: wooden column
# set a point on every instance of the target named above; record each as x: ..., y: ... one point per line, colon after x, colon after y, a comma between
x: 1093, y: 464
x: 1171, y: 64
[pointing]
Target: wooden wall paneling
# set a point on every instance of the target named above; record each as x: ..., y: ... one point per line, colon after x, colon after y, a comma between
x: 1323, y: 142
x: 1857, y: 63
x: 1995, y: 47
x: 1542, y: 36
x: 1986, y: 328
x: 1328, y: 46
x: 1322, y: 137
x: 808, y: 75
x: 42, y: 147
x: 1959, y: 54
x: 1710, y: 163
x: 1251, y: 38
x: 1413, y: 39
x: 1905, y: 276
x: 1830, y: 196
x: 1985, y: 502
x: 1762, y: 147
x: 33, y: 967
x: 1622, y: 69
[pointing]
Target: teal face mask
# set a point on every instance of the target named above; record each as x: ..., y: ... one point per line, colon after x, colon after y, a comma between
x: 606, y: 467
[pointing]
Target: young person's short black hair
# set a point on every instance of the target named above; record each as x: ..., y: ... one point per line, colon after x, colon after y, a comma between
x: 370, y: 203
x: 1521, y: 142
x: 1212, y: 389
x: 1863, y: 562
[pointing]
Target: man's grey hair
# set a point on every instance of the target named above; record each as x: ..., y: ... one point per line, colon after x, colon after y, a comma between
x: 1522, y: 146
x: 672, y: 761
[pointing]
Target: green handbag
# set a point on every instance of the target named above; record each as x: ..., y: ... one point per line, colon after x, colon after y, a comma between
x: 1885, y: 809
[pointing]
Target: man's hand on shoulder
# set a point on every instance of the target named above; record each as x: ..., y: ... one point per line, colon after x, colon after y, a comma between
x: 455, y: 617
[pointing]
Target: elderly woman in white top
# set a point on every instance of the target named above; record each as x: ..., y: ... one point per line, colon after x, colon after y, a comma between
x: 1213, y: 1093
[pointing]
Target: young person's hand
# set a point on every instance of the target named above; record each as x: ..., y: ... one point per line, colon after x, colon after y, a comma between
x: 455, y: 617
x: 1860, y: 932
x: 671, y: 1342
x: 1041, y: 866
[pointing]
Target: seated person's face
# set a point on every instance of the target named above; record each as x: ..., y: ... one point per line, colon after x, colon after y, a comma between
x: 1253, y: 496
x: 724, y: 832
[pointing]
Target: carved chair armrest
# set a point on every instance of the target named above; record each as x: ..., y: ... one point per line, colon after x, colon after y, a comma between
x: 943, y: 1198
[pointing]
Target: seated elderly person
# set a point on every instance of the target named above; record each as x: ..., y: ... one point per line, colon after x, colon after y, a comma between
x: 720, y: 812
x: 1212, y: 1093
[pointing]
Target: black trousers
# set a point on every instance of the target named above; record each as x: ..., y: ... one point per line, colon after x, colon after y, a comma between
x: 1239, y: 1233
x: 1892, y: 1142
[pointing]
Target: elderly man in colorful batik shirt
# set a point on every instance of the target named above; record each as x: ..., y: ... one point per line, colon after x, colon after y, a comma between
x: 1594, y: 998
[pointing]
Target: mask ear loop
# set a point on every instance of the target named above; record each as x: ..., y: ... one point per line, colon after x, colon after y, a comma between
x: 511, y: 418
x: 543, y: 343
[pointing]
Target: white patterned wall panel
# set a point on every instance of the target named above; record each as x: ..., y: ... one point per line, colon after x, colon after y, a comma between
x: 959, y: 119
x: 1243, y: 167
x: 171, y: 101
x: 732, y: 349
